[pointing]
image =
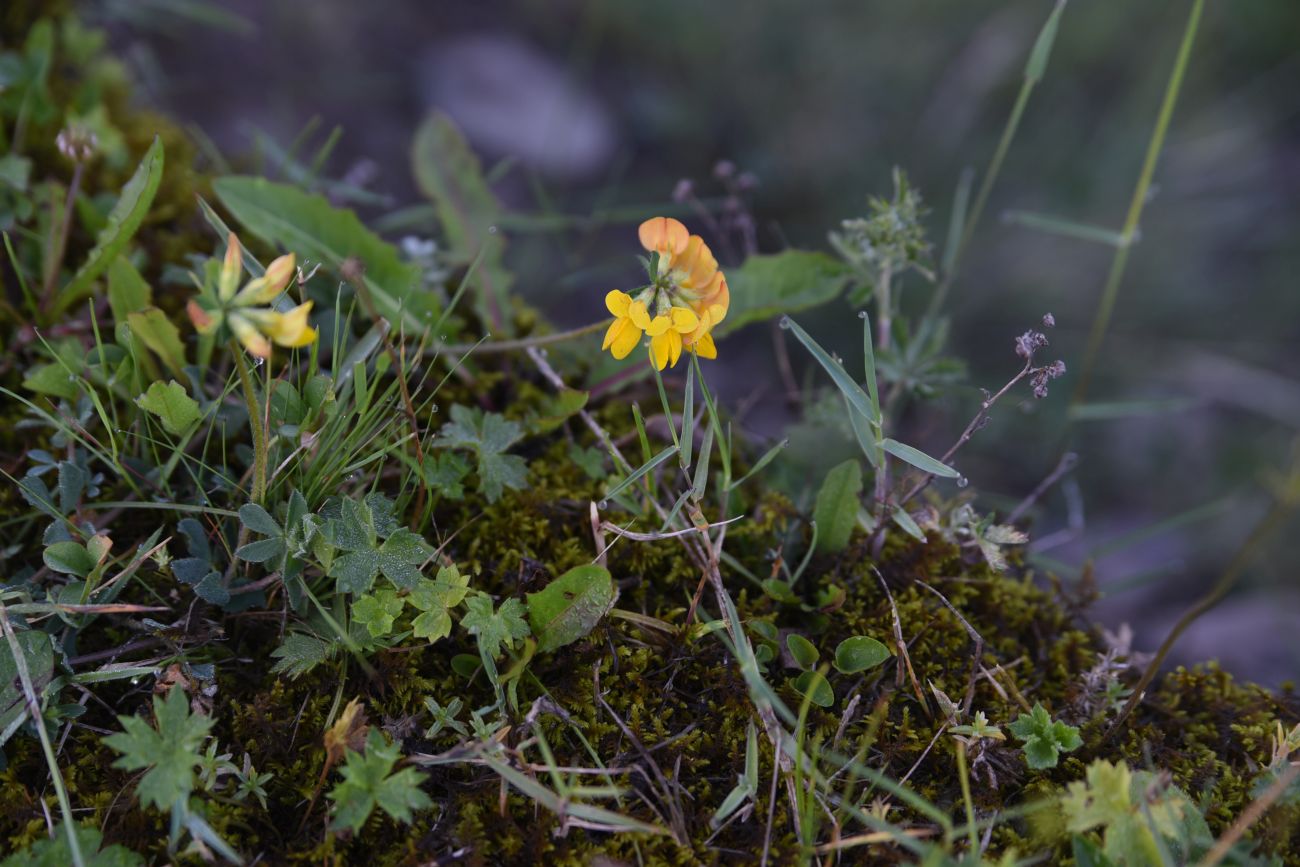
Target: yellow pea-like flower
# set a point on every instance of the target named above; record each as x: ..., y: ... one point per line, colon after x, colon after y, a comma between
x: 244, y: 312
x: 688, y: 296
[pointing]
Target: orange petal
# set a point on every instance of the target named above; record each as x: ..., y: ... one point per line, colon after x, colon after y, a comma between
x: 696, y: 265
x: 248, y: 335
x: 617, y: 302
x: 664, y: 235
x: 203, y: 321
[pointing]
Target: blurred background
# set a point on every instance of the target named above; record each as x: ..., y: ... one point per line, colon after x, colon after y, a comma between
x: 581, y: 107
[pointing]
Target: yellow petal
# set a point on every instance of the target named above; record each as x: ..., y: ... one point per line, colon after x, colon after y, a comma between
x: 291, y: 329
x: 626, y: 340
x: 661, y: 348
x: 615, y: 329
x: 674, y: 346
x: 617, y: 302
x: 248, y: 335
x: 658, y: 326
x: 639, y: 315
x: 266, y: 288
x: 704, y: 347
x: 684, y: 320
x: 663, y: 235
x: 230, y: 270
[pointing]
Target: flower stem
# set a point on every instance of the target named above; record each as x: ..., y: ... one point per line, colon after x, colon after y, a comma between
x: 522, y: 343
x: 255, y: 422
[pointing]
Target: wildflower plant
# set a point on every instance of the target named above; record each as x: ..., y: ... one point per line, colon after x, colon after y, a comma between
x: 687, y: 296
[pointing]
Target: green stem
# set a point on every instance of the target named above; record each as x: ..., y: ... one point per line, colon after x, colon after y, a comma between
x: 34, y: 711
x: 522, y: 343
x: 255, y: 422
x: 1034, y: 69
x: 1111, y: 292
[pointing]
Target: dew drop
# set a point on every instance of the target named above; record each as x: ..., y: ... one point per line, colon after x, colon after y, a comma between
x: 862, y: 314
x: 784, y: 323
x: 443, y: 338
x: 435, y: 407
x: 492, y: 230
x: 603, y: 504
x: 962, y: 481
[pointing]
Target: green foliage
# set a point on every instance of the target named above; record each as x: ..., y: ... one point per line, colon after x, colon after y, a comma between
x: 1044, y: 739
x: 373, y: 544
x: 378, y: 611
x: 1140, y: 816
x: 39, y: 657
x: 494, y: 627
x: 888, y: 241
x: 197, y: 569
x: 436, y: 599
x: 570, y: 606
x: 55, y: 851
x: 767, y: 286
x: 177, y: 411
x: 803, y: 651
x: 836, y: 512
x: 285, y: 216
x: 369, y: 782
x: 448, y: 173
x: 170, y: 751
x: 859, y: 653
x: 122, y: 224
x: 487, y: 435
x: 299, y: 653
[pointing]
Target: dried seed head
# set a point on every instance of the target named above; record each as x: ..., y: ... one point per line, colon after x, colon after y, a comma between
x: 724, y: 170
x: 1049, y: 321
x: 77, y: 143
x: 684, y: 191
x: 1029, y: 343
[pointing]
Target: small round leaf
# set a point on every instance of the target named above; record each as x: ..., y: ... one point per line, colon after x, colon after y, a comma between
x: 859, y: 653
x: 804, y: 651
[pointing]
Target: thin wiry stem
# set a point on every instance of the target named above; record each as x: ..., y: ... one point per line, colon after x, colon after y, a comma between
x: 1129, y: 233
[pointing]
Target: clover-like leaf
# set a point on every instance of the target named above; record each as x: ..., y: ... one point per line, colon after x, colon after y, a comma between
x: 378, y: 611
x: 493, y: 628
x: 488, y: 435
x: 170, y: 751
x: 1044, y: 739
x: 369, y: 782
x: 435, y: 599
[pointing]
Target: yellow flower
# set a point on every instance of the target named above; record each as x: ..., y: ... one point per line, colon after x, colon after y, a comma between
x: 242, y: 311
x: 688, y: 294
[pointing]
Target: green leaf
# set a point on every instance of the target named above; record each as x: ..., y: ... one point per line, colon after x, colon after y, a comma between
x: 70, y: 558
x: 494, y: 628
x: 172, y: 405
x: 488, y: 435
x: 448, y: 173
x: 300, y: 653
x: 769, y: 285
x: 123, y: 222
x: 378, y: 611
x: 309, y: 225
x: 859, y: 653
x: 556, y: 410
x: 55, y: 851
x: 435, y: 599
x: 127, y: 291
x: 836, y: 510
x: 853, y: 393
x: 1044, y: 739
x: 170, y: 751
x: 369, y: 782
x: 805, y: 653
x: 919, y: 459
x: 37, y: 653
x: 815, y: 687
x: 1037, y: 63
x: 357, y: 530
x: 570, y: 606
x: 904, y: 520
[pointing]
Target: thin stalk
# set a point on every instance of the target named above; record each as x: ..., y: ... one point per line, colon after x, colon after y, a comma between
x: 1111, y: 291
x: 1034, y: 69
x: 60, y: 241
x: 255, y: 423
x: 34, y: 710
x: 521, y: 343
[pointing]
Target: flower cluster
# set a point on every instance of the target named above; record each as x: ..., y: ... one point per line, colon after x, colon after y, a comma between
x: 686, y: 297
x: 245, y: 312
